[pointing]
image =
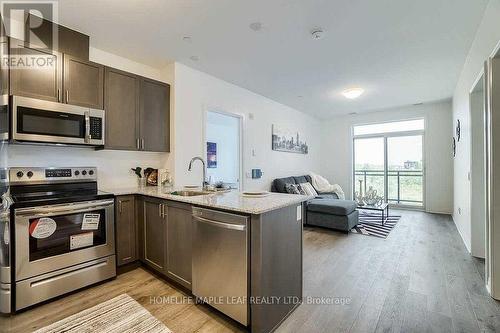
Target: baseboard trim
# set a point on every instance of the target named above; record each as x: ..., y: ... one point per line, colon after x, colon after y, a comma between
x: 461, y: 236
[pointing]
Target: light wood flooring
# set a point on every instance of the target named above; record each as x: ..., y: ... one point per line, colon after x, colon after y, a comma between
x: 420, y: 279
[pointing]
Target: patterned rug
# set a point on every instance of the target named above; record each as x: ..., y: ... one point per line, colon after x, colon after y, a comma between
x: 120, y: 314
x: 370, y: 224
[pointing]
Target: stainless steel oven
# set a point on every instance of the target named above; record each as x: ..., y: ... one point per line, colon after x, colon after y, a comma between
x: 36, y: 120
x: 57, y: 236
x: 64, y: 236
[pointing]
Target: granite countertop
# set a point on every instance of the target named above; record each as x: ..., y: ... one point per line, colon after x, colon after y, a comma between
x: 232, y: 201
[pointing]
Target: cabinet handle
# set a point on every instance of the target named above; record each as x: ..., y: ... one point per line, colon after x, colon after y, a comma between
x: 138, y: 144
x: 67, y: 96
x: 163, y: 211
x: 142, y: 143
x: 159, y: 210
x: 120, y: 206
x: 58, y: 94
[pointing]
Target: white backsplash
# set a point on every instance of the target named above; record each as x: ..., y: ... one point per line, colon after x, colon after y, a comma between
x: 114, y: 167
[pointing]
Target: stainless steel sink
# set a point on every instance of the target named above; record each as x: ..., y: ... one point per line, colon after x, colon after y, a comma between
x: 190, y: 193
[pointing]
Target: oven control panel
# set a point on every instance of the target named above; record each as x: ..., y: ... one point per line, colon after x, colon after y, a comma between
x: 49, y: 175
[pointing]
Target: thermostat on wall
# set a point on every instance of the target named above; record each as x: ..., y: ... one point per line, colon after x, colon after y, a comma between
x: 256, y: 173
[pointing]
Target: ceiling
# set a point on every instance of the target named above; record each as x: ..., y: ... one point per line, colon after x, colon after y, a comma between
x: 400, y: 51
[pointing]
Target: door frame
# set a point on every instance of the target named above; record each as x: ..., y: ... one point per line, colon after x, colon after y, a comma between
x: 480, y: 76
x: 385, y: 136
x: 241, y: 119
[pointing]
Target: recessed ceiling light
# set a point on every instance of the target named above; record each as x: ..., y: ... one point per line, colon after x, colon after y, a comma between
x: 300, y: 96
x: 417, y: 104
x: 256, y: 26
x: 194, y: 58
x: 353, y: 93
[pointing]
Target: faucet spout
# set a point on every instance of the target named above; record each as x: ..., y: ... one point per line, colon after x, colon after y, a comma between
x: 197, y: 158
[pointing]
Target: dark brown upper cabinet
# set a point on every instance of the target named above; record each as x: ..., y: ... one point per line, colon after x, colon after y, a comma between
x: 121, y: 91
x: 40, y: 80
x: 154, y: 116
x: 56, y: 37
x: 83, y: 83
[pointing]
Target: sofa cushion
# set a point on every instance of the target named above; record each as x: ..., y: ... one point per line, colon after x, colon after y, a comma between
x: 280, y: 184
x: 327, y: 196
x: 293, y: 189
x: 300, y: 180
x: 331, y: 206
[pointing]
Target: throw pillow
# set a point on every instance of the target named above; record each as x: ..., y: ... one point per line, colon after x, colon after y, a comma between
x: 292, y: 189
x: 308, y: 189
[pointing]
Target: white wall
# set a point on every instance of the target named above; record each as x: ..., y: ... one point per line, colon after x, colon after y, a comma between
x: 337, y: 149
x: 487, y: 37
x: 197, y: 92
x: 113, y: 166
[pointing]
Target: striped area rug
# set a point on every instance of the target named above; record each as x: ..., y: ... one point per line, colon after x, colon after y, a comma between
x: 120, y: 314
x: 370, y: 224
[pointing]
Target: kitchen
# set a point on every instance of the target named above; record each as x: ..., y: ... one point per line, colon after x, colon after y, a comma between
x: 66, y: 232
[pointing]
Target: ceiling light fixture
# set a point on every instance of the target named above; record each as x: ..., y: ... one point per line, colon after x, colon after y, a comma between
x: 256, y: 26
x: 353, y: 93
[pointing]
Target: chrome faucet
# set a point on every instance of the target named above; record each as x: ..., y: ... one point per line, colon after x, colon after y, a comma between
x: 204, y: 182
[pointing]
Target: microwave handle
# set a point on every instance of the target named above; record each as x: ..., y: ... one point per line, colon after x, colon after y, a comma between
x: 87, y: 127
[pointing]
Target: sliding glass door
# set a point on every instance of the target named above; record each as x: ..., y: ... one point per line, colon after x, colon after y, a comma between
x: 405, y: 173
x: 388, y: 158
x: 369, y: 157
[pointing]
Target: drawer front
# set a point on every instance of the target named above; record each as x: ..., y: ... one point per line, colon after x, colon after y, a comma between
x: 47, y: 286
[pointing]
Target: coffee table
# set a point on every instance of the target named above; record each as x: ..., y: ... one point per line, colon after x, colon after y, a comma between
x: 383, y: 208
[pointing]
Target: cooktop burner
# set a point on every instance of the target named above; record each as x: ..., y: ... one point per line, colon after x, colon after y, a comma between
x: 47, y: 186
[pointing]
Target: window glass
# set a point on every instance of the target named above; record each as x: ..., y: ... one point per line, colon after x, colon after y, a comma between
x: 397, y: 126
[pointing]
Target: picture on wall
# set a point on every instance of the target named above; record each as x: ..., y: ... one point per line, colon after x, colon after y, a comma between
x: 287, y: 140
x: 211, y: 155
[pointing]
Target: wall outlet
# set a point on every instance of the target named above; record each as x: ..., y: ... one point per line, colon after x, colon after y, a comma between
x: 459, y: 211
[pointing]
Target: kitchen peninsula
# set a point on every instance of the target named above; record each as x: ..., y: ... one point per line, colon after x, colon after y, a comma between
x: 242, y: 255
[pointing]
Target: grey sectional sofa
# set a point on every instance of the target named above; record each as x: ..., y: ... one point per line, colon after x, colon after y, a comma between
x: 326, y: 210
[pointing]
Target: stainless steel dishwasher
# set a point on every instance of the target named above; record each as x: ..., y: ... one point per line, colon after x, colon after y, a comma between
x: 220, y: 261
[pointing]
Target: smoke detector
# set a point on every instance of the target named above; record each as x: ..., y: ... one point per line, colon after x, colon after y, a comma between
x: 317, y: 34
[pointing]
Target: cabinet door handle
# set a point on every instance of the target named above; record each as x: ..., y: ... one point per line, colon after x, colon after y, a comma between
x: 142, y: 143
x: 163, y: 211
x: 67, y: 96
x: 138, y: 144
x: 159, y: 210
x: 120, y: 204
x: 58, y: 94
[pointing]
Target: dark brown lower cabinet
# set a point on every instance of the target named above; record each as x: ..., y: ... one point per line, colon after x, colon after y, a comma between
x: 179, y: 243
x: 126, y: 230
x: 154, y: 235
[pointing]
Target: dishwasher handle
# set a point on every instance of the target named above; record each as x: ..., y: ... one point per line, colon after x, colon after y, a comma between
x: 231, y: 226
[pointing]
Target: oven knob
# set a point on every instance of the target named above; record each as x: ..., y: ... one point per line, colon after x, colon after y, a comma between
x: 84, y: 172
x: 29, y: 174
x: 77, y: 173
x: 91, y: 172
x: 19, y: 174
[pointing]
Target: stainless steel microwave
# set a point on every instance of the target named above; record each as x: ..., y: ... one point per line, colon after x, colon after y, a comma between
x: 35, y: 120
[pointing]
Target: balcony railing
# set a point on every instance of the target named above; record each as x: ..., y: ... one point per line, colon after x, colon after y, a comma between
x: 403, y: 186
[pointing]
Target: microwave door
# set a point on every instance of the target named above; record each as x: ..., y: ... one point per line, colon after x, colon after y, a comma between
x: 43, y: 121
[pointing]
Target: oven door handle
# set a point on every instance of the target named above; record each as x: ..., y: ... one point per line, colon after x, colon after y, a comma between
x: 67, y: 208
